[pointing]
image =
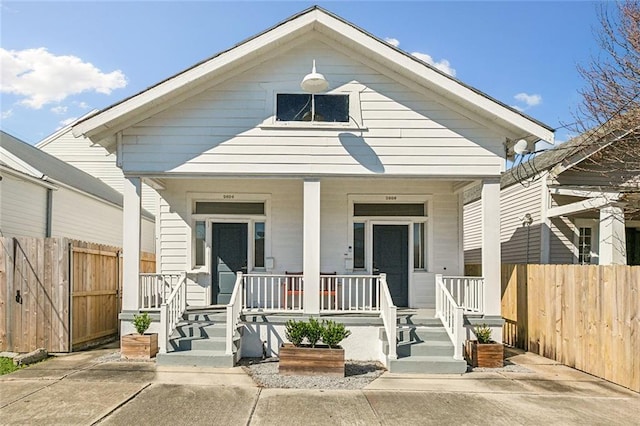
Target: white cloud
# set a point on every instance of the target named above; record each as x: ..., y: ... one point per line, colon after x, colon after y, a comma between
x: 6, y: 114
x: 82, y: 105
x: 443, y: 65
x: 392, y: 41
x: 528, y: 100
x: 66, y: 122
x: 41, y: 77
x: 59, y: 110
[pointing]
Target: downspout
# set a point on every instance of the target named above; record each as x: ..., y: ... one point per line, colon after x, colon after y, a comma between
x: 48, y: 225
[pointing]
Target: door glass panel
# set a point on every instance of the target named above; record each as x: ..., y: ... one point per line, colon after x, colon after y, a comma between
x: 200, y: 243
x: 216, y: 207
x: 358, y: 245
x: 258, y: 245
x: 388, y: 209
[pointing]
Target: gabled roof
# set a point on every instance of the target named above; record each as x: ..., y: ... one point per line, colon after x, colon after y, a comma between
x: 109, y: 121
x: 35, y: 163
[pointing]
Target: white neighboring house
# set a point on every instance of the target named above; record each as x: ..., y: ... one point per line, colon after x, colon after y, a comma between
x: 45, y: 197
x: 562, y: 207
x: 93, y: 159
x: 256, y: 175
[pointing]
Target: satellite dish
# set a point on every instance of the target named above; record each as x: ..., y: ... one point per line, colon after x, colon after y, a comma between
x: 521, y: 147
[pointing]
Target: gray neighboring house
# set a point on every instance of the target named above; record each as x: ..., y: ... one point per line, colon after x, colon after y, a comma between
x: 561, y: 207
x: 42, y: 196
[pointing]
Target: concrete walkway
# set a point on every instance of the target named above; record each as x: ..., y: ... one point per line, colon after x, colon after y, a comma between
x: 86, y: 388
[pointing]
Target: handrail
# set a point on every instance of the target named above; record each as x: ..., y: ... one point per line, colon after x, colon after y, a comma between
x: 234, y: 309
x: 451, y: 315
x: 388, y: 312
x: 154, y: 289
x: 171, y: 311
x: 467, y: 292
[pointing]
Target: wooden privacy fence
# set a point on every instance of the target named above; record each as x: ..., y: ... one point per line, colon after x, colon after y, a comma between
x: 59, y: 294
x: 584, y: 316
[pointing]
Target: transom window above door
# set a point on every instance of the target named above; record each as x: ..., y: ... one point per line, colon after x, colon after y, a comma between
x: 314, y: 108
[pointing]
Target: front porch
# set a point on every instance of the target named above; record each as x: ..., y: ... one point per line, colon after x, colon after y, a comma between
x: 252, y: 324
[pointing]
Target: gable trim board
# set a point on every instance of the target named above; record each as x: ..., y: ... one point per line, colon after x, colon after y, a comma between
x: 105, y: 124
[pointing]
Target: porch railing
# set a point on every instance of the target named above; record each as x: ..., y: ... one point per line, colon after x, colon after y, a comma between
x: 171, y: 312
x: 155, y: 289
x: 451, y: 314
x: 234, y: 309
x: 285, y: 293
x: 389, y: 317
x: 468, y: 292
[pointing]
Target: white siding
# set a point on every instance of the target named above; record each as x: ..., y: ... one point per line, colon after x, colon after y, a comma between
x: 84, y: 218
x: 23, y: 207
x: 286, y: 225
x: 96, y: 161
x: 220, y: 130
x: 515, y: 201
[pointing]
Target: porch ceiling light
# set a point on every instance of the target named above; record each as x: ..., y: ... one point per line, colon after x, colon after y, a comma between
x: 314, y: 82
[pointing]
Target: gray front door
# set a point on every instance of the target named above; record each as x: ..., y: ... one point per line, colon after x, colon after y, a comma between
x: 391, y: 256
x: 229, y: 256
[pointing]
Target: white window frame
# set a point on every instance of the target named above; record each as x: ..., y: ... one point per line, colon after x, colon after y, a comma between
x: 352, y: 89
x: 595, y: 240
x: 210, y: 219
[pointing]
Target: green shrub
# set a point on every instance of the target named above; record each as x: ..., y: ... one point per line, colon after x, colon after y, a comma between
x: 333, y: 333
x: 295, y: 331
x: 7, y: 366
x: 141, y: 322
x: 483, y: 333
x: 314, y: 331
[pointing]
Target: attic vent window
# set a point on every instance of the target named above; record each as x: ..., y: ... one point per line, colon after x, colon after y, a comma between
x: 314, y: 108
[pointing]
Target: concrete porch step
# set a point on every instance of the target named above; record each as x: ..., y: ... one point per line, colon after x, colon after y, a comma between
x: 417, y: 333
x: 427, y: 348
x: 427, y: 365
x: 200, y: 329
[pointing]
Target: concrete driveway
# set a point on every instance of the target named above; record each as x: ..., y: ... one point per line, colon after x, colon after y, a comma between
x: 87, y: 388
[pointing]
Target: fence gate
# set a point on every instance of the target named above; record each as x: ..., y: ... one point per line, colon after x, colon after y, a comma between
x: 34, y: 294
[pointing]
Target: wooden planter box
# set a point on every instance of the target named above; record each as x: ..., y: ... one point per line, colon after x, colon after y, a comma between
x: 489, y: 355
x: 139, y: 346
x: 308, y: 361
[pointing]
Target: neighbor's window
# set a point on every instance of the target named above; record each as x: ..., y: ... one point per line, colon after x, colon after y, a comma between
x: 258, y: 247
x: 419, y: 245
x: 584, y: 246
x: 200, y: 243
x: 317, y: 108
x: 358, y: 245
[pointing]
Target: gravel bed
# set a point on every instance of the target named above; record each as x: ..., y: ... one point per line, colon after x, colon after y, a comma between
x: 358, y: 374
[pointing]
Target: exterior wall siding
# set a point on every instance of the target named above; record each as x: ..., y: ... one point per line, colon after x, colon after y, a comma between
x: 286, y: 214
x: 95, y: 160
x: 515, y: 201
x: 23, y: 208
x: 229, y: 128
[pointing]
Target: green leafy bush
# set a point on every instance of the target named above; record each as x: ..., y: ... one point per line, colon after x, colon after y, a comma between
x: 295, y: 331
x: 314, y: 331
x: 483, y: 333
x: 333, y: 333
x: 141, y: 322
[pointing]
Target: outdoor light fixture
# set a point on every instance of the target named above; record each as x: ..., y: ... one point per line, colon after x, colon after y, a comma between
x: 527, y: 220
x: 314, y: 82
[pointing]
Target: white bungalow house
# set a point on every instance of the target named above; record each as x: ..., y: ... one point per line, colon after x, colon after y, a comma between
x: 565, y: 206
x: 279, y: 200
x: 42, y: 196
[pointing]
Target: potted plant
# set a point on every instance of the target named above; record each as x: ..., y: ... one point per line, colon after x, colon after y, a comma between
x: 141, y: 345
x: 484, y: 352
x: 297, y: 358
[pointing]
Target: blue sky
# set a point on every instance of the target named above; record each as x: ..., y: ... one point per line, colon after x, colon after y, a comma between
x: 61, y: 59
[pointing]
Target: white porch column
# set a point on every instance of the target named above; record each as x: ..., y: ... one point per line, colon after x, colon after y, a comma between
x: 612, y: 244
x: 311, y: 247
x: 131, y: 243
x: 491, y: 247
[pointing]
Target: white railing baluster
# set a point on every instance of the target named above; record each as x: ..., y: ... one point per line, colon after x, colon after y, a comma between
x: 171, y: 311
